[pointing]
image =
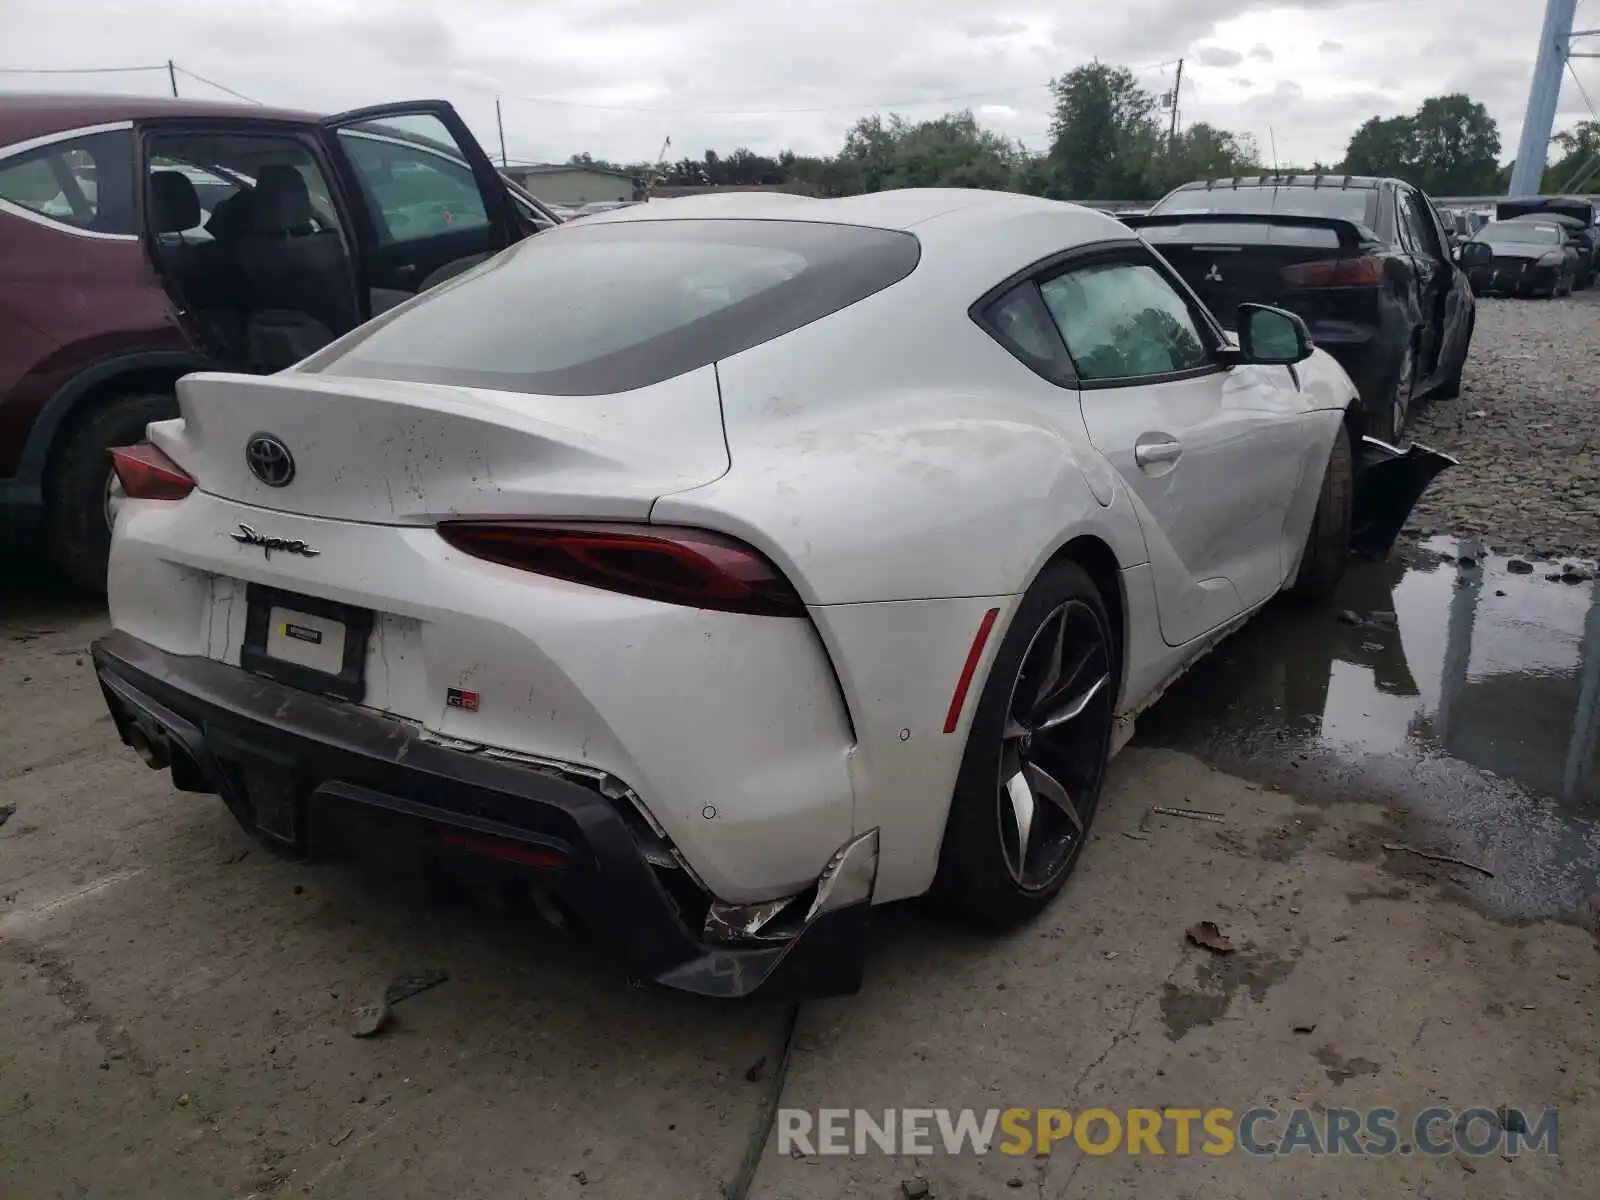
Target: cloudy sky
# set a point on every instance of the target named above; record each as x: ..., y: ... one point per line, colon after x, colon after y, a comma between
x: 616, y: 77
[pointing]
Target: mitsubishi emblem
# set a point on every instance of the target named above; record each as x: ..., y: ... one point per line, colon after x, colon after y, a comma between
x: 1213, y: 275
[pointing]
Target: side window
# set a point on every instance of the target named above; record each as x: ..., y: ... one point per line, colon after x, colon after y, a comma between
x: 1015, y: 320
x: 1122, y: 320
x: 416, y: 179
x: 85, y: 182
x: 1416, y: 225
x: 230, y: 185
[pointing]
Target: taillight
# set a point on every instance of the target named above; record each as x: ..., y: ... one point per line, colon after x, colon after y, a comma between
x: 148, y: 474
x: 1366, y: 271
x: 678, y: 566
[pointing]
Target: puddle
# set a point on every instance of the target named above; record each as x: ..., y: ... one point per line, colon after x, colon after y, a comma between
x: 1467, y: 700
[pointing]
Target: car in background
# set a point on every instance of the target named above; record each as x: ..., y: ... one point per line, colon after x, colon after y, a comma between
x: 1577, y: 213
x: 1530, y: 258
x: 1363, y: 261
x: 148, y: 237
x: 576, y: 600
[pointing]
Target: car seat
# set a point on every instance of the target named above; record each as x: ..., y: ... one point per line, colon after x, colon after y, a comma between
x: 201, y: 269
x: 299, y: 289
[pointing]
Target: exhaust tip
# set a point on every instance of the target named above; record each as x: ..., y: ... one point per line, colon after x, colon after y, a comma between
x: 153, y: 750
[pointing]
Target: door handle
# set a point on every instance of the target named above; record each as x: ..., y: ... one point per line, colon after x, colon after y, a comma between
x: 1151, y: 454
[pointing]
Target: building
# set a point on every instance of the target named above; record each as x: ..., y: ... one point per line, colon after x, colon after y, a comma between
x: 571, y: 184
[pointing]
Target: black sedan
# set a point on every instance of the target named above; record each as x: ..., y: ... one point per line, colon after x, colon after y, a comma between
x: 1531, y: 258
x: 1363, y: 261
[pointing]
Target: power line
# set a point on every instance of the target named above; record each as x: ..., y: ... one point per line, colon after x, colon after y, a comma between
x: 1581, y: 91
x: 561, y: 102
x: 219, y: 86
x: 78, y: 70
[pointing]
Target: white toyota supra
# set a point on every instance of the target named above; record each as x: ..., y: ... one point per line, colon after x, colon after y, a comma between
x: 727, y: 566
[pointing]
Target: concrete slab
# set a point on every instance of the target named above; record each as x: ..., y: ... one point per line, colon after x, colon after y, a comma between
x: 175, y: 1008
x: 1410, y: 1000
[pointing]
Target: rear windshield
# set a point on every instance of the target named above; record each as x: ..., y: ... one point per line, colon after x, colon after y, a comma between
x: 1576, y: 209
x: 1347, y: 204
x: 589, y: 309
x: 1518, y: 231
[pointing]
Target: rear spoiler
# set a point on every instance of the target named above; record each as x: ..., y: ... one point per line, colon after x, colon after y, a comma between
x: 1352, y: 234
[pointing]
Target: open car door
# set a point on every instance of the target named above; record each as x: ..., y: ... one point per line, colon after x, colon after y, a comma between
x: 425, y: 199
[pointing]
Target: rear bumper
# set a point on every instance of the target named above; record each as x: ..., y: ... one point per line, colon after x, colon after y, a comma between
x: 290, y: 765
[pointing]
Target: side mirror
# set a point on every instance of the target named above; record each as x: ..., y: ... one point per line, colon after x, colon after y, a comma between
x: 1272, y: 336
x: 1476, y: 254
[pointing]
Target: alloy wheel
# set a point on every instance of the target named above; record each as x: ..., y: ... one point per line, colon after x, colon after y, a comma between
x: 1402, y: 395
x: 113, y: 499
x: 1054, y: 744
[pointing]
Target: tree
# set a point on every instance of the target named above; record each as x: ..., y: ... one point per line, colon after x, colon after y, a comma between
x: 1382, y: 147
x: 1202, y: 152
x: 1456, y: 147
x: 1580, y: 156
x: 1103, y: 134
x: 949, y: 151
x: 1449, y: 147
x: 1107, y: 143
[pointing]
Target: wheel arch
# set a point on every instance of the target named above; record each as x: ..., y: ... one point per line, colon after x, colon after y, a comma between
x: 1355, y: 422
x: 76, y: 400
x: 1099, y: 562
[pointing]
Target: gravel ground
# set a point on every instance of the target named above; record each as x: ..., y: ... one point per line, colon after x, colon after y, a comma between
x: 1524, y: 429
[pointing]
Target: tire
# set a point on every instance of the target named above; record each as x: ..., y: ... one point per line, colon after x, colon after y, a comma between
x: 1450, y: 389
x: 79, y: 531
x: 1392, y: 422
x: 1327, y: 548
x: 982, y: 878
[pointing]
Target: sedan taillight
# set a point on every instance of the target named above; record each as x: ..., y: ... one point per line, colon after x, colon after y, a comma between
x: 678, y: 566
x: 1365, y: 271
x: 147, y: 474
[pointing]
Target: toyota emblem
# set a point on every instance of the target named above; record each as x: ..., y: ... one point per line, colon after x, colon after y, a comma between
x: 270, y: 460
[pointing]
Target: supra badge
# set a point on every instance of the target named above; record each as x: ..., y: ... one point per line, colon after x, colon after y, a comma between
x: 249, y: 537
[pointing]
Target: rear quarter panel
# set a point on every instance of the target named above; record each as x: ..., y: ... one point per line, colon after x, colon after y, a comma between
x: 895, y: 451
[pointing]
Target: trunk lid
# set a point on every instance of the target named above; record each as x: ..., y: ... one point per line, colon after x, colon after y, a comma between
x: 1231, y: 259
x: 400, y: 453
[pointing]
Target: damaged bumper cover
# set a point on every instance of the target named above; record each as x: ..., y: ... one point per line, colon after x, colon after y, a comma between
x: 294, y: 768
x: 1388, y: 483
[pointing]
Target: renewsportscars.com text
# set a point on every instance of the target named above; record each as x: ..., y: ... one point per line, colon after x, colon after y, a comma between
x: 1261, y: 1132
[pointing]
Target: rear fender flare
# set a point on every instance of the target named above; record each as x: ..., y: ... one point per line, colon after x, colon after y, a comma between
x: 147, y: 370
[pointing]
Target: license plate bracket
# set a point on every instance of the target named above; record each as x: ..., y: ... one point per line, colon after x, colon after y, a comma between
x: 270, y: 622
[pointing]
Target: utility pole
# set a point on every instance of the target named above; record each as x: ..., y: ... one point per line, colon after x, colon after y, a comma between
x: 500, y: 125
x: 172, y: 77
x: 1177, y: 86
x: 1527, y: 176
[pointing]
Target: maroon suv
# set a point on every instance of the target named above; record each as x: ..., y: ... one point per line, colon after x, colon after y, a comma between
x: 142, y: 238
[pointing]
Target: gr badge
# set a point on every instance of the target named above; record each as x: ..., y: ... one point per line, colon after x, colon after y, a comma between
x: 458, y: 698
